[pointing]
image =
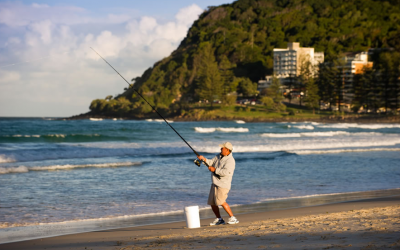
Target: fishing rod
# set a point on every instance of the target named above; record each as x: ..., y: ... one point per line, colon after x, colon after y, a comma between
x: 197, y: 162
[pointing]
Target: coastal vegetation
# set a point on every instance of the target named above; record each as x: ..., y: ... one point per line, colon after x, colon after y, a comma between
x: 230, y: 47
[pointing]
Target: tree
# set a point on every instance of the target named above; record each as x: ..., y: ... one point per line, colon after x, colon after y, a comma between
x: 209, y: 79
x: 312, y: 97
x: 225, y: 66
x: 230, y: 99
x: 362, y: 89
x: 268, y: 102
x: 275, y: 91
x: 339, y: 82
x: 306, y: 72
x: 387, y: 73
x: 326, y: 82
x: 246, y: 87
x: 289, y: 85
x: 378, y: 87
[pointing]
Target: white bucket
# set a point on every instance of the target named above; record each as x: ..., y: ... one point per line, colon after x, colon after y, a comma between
x: 192, y: 217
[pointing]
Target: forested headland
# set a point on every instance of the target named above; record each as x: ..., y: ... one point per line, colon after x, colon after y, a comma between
x: 230, y: 48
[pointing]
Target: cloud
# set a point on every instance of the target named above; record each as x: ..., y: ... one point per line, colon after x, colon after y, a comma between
x: 54, y: 72
x: 8, y: 77
x: 147, y: 24
x: 186, y: 16
x: 43, y: 28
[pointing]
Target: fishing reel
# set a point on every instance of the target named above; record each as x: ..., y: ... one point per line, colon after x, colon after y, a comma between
x: 197, y: 162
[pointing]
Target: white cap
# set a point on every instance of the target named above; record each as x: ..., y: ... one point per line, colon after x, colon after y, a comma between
x: 227, y: 145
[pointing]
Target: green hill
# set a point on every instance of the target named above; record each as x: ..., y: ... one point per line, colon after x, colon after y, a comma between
x: 231, y: 46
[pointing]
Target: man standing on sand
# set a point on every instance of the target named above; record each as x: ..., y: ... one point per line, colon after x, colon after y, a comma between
x: 221, y: 167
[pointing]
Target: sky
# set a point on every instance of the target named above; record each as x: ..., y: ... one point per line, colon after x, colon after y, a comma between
x: 47, y: 68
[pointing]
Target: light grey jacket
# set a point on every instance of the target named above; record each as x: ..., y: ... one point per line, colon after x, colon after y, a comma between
x: 224, y: 167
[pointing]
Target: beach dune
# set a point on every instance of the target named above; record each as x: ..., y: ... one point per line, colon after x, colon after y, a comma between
x: 363, y: 224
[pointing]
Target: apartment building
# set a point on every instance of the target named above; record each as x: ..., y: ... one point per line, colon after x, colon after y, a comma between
x: 354, y: 63
x: 288, y: 62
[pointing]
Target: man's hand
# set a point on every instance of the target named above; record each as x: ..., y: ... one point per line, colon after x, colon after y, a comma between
x: 212, y: 169
x: 201, y: 158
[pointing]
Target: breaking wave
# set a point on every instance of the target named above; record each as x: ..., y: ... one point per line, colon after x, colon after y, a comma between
x: 158, y: 120
x: 59, y: 138
x: 317, y: 134
x: 226, y: 130
x: 24, y: 169
x: 302, y: 127
x: 336, y: 151
x: 6, y: 159
x: 362, y: 126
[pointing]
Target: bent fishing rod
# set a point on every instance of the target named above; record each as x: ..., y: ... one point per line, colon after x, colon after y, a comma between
x: 197, y: 162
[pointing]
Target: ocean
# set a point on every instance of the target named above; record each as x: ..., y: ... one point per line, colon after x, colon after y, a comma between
x: 66, y: 176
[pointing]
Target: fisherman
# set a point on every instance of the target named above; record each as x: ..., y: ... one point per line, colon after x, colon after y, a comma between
x: 221, y: 167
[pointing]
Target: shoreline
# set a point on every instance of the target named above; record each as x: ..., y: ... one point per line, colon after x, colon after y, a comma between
x: 53, y: 229
x: 370, y: 119
x: 278, y: 224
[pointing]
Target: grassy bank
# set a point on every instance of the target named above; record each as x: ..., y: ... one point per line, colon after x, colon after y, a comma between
x: 259, y: 113
x: 253, y: 113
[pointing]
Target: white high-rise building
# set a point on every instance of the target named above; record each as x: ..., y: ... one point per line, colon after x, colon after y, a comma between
x: 288, y: 62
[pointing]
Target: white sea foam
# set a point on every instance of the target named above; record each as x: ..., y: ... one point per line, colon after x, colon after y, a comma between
x: 102, y: 165
x: 51, y: 135
x: 307, y: 134
x: 313, y: 143
x: 57, y: 135
x: 204, y: 130
x: 20, y: 169
x: 336, y: 151
x: 27, y: 136
x: 24, y: 169
x: 226, y: 130
x: 6, y: 159
x: 282, y: 135
x: 303, y: 127
x: 96, y: 119
x: 159, y: 120
x: 330, y: 194
x: 257, y: 144
x: 362, y: 126
x: 238, y: 130
x: 108, y: 218
x: 240, y: 122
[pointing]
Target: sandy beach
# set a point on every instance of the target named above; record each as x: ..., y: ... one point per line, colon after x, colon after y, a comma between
x: 364, y: 224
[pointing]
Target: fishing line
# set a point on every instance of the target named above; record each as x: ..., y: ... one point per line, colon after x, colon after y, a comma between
x: 196, y: 161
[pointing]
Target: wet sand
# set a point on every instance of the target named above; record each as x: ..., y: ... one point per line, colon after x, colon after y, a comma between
x: 364, y: 224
